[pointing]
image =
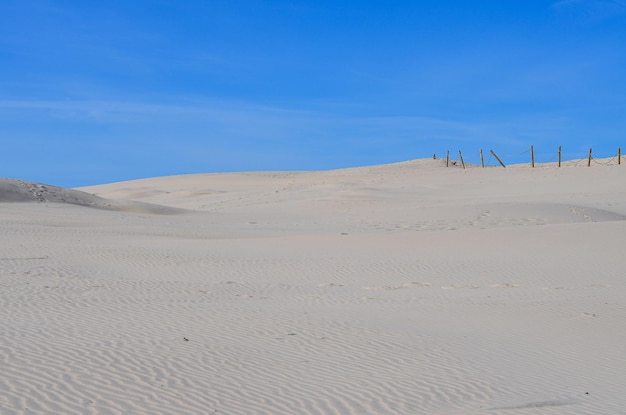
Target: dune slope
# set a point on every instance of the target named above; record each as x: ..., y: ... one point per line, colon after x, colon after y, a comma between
x: 21, y: 191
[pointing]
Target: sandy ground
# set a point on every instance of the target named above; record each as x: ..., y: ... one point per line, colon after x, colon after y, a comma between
x: 408, y: 288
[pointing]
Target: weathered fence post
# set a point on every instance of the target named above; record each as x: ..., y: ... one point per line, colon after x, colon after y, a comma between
x: 532, y: 156
x: 461, y: 157
x: 589, y: 159
x: 482, y: 159
x: 448, y: 158
x: 559, y: 156
x: 619, y: 155
x: 497, y: 158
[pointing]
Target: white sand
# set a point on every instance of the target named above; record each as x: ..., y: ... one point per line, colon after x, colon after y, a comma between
x: 401, y: 289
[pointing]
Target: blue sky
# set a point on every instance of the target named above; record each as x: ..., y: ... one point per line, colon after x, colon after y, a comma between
x: 98, y: 92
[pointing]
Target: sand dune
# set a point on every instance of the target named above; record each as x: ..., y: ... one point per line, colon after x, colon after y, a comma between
x: 20, y: 191
x: 408, y: 288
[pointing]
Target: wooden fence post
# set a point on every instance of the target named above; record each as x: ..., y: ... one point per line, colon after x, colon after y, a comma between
x: 461, y: 157
x: 482, y: 159
x: 448, y: 158
x: 532, y: 156
x: 589, y: 159
x: 497, y: 158
x: 619, y: 155
x: 559, y: 156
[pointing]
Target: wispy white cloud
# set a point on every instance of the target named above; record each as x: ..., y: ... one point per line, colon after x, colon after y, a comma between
x: 591, y: 3
x: 592, y: 9
x: 275, y: 129
x: 568, y: 3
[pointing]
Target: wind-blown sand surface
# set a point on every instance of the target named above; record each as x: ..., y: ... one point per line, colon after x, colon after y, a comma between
x: 408, y: 288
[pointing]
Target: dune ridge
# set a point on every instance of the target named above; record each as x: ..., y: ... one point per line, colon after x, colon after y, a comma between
x: 21, y: 191
x: 397, y: 289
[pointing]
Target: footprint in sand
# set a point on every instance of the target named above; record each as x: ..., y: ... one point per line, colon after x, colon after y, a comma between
x: 460, y: 287
x: 414, y: 284
x: 504, y: 285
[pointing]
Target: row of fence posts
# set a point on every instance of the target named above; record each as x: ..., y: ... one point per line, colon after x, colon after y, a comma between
x: 532, y: 157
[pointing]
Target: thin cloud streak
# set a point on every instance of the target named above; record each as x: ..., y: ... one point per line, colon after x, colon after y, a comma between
x: 224, y: 111
x: 244, y: 121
